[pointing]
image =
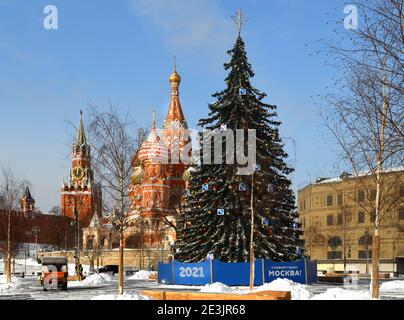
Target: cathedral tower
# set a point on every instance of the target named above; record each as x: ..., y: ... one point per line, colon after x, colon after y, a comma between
x: 157, y: 181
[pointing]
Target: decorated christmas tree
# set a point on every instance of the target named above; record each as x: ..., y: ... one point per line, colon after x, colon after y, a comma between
x: 218, y: 204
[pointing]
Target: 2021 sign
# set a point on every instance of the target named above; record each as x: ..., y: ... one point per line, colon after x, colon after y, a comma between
x: 187, y: 272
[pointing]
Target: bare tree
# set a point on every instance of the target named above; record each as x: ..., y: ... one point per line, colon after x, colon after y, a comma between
x: 314, y: 237
x: 10, y: 190
x: 93, y: 252
x: 365, y: 113
x: 110, y: 136
x: 344, y: 224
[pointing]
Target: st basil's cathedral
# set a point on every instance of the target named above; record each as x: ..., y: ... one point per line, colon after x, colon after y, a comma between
x: 157, y: 184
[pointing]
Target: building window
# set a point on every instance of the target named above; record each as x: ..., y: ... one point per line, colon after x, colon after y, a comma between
x: 365, y: 241
x: 401, y: 191
x: 362, y: 254
x: 373, y: 195
x: 361, y: 196
x: 330, y: 221
x: 339, y: 220
x: 361, y: 217
x: 334, y: 255
x: 329, y: 201
x: 334, y: 242
x: 401, y: 214
x: 340, y: 200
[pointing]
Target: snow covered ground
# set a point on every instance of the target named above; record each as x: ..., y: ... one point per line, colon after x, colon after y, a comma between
x: 28, y: 266
x: 142, y: 275
x: 298, y: 291
x: 104, y: 287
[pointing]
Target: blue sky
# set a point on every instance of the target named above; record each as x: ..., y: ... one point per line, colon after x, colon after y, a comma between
x: 122, y: 51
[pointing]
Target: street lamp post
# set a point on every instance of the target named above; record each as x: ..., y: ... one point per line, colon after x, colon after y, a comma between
x: 35, y: 232
x: 252, y: 257
x: 77, y: 222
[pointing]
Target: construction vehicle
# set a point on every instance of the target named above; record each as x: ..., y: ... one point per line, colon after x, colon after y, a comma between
x: 54, y: 273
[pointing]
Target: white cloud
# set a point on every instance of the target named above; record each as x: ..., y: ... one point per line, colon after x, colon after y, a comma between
x: 188, y: 26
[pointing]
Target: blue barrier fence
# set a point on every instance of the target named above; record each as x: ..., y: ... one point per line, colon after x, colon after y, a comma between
x: 236, y: 274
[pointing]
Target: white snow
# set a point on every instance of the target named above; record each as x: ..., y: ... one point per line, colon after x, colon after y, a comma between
x: 142, y: 275
x: 28, y: 266
x: 93, y: 280
x: 298, y: 291
x: 9, y: 288
x: 218, y: 287
x: 125, y: 296
x: 107, y: 277
x: 397, y: 285
x: 342, y: 294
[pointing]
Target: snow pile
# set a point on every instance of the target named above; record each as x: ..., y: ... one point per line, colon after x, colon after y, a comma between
x: 218, y: 287
x: 6, y: 288
x: 298, y: 291
x: 142, y: 275
x: 106, y: 276
x: 342, y: 294
x: 124, y: 296
x: 396, y: 285
x: 93, y: 280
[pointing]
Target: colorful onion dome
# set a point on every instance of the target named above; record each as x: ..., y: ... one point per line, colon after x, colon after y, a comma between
x: 175, y: 77
x: 154, y: 149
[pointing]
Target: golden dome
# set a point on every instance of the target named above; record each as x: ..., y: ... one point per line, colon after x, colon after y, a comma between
x: 175, y: 77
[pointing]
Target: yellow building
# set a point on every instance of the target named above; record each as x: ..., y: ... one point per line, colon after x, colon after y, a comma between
x: 337, y: 217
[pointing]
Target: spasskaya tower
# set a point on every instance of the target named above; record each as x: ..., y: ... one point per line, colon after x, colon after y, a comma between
x: 81, y: 192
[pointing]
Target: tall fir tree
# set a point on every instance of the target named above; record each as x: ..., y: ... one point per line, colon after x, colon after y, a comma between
x: 215, y: 189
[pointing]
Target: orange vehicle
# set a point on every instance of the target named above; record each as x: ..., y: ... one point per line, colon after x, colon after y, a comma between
x: 54, y: 273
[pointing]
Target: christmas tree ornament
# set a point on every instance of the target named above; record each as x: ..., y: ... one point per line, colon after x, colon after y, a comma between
x: 242, y: 187
x: 205, y: 187
x: 220, y: 212
x: 265, y: 221
x: 243, y: 92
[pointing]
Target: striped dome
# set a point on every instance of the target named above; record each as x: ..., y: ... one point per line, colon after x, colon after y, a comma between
x: 154, y: 149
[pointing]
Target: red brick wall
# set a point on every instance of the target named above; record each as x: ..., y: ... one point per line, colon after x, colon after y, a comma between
x: 54, y: 230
